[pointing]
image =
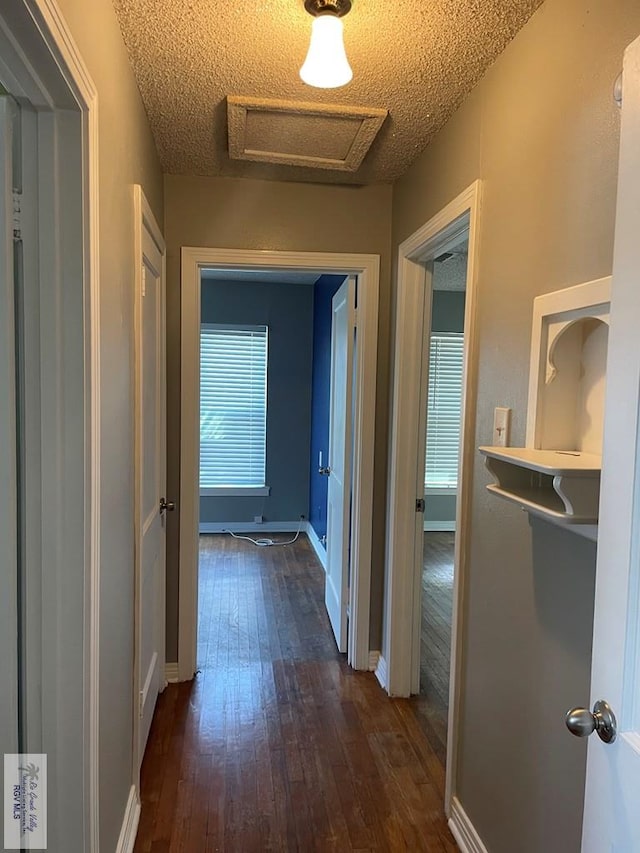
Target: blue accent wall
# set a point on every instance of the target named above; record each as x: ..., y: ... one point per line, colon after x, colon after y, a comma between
x: 287, y: 311
x: 323, y: 292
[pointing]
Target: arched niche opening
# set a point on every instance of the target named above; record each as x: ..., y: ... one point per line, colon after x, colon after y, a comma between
x: 571, y: 397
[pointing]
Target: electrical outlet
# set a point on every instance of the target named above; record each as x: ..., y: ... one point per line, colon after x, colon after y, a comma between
x: 258, y: 519
x: 501, y: 426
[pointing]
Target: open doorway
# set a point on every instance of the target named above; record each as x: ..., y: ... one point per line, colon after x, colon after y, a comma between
x: 423, y: 257
x: 443, y: 352
x: 198, y: 264
x: 277, y: 350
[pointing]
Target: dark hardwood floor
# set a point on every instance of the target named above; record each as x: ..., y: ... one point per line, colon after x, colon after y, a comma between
x: 277, y: 744
x: 431, y: 707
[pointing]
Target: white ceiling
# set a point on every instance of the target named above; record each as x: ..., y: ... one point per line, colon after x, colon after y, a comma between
x: 416, y: 60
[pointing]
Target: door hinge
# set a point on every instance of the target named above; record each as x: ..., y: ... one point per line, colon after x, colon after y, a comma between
x: 419, y: 504
x: 17, y: 215
x: 617, y: 90
x: 144, y: 280
x: 141, y: 703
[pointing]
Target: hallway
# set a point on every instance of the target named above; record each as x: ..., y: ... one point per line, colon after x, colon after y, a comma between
x: 278, y: 744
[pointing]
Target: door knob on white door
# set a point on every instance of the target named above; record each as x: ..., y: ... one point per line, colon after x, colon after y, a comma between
x: 582, y: 722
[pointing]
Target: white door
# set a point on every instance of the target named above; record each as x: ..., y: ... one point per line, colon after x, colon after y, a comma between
x: 9, y: 627
x: 612, y: 816
x: 343, y: 326
x: 150, y: 478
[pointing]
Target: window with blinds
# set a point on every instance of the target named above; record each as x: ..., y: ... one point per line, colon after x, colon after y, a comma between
x: 233, y: 406
x: 444, y: 407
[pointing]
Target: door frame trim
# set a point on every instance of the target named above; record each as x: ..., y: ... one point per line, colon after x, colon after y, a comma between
x: 367, y: 268
x: 144, y: 220
x: 401, y: 610
x: 41, y: 37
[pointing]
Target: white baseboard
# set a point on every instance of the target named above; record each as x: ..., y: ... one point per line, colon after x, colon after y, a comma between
x: 439, y: 526
x: 316, y: 544
x: 171, y: 672
x: 463, y: 830
x: 251, y: 527
x: 129, y: 828
x: 381, y: 672
x: 374, y: 658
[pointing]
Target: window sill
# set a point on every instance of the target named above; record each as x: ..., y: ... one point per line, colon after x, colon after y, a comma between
x: 234, y: 491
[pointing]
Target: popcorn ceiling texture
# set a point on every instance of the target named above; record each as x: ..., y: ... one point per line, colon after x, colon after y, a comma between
x: 417, y: 60
x: 452, y: 274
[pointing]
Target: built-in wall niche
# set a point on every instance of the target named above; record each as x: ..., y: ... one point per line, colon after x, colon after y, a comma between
x: 557, y: 474
x: 568, y: 368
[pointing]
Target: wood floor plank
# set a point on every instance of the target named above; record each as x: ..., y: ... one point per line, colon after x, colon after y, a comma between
x: 277, y: 745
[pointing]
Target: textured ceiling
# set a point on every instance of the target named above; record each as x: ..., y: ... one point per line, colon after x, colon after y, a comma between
x: 451, y: 274
x: 416, y: 60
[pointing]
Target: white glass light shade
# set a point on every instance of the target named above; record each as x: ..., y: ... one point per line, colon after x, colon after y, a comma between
x: 326, y: 65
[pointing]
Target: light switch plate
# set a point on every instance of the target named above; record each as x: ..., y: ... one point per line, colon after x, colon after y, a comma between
x: 501, y: 426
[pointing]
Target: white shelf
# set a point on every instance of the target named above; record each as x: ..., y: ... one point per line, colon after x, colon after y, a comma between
x: 560, y: 462
x: 561, y: 481
x: 561, y: 486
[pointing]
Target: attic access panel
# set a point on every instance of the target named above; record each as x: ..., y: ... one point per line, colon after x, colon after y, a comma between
x: 295, y: 133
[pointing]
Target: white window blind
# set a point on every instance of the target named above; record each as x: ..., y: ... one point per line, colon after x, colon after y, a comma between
x: 444, y: 408
x: 233, y: 406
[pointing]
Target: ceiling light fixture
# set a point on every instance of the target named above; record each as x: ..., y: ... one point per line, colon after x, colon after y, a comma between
x: 326, y: 65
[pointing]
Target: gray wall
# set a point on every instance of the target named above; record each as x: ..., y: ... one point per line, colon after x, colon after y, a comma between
x: 541, y: 130
x: 447, y: 315
x: 447, y: 311
x: 251, y: 214
x: 287, y: 309
x: 126, y: 156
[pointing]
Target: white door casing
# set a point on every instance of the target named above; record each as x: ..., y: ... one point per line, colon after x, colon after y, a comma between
x: 40, y: 65
x: 367, y: 269
x: 611, y: 820
x: 397, y: 669
x: 343, y: 323
x: 150, y: 468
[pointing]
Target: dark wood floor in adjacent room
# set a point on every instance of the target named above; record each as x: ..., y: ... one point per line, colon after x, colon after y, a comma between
x: 278, y: 744
x: 432, y: 705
